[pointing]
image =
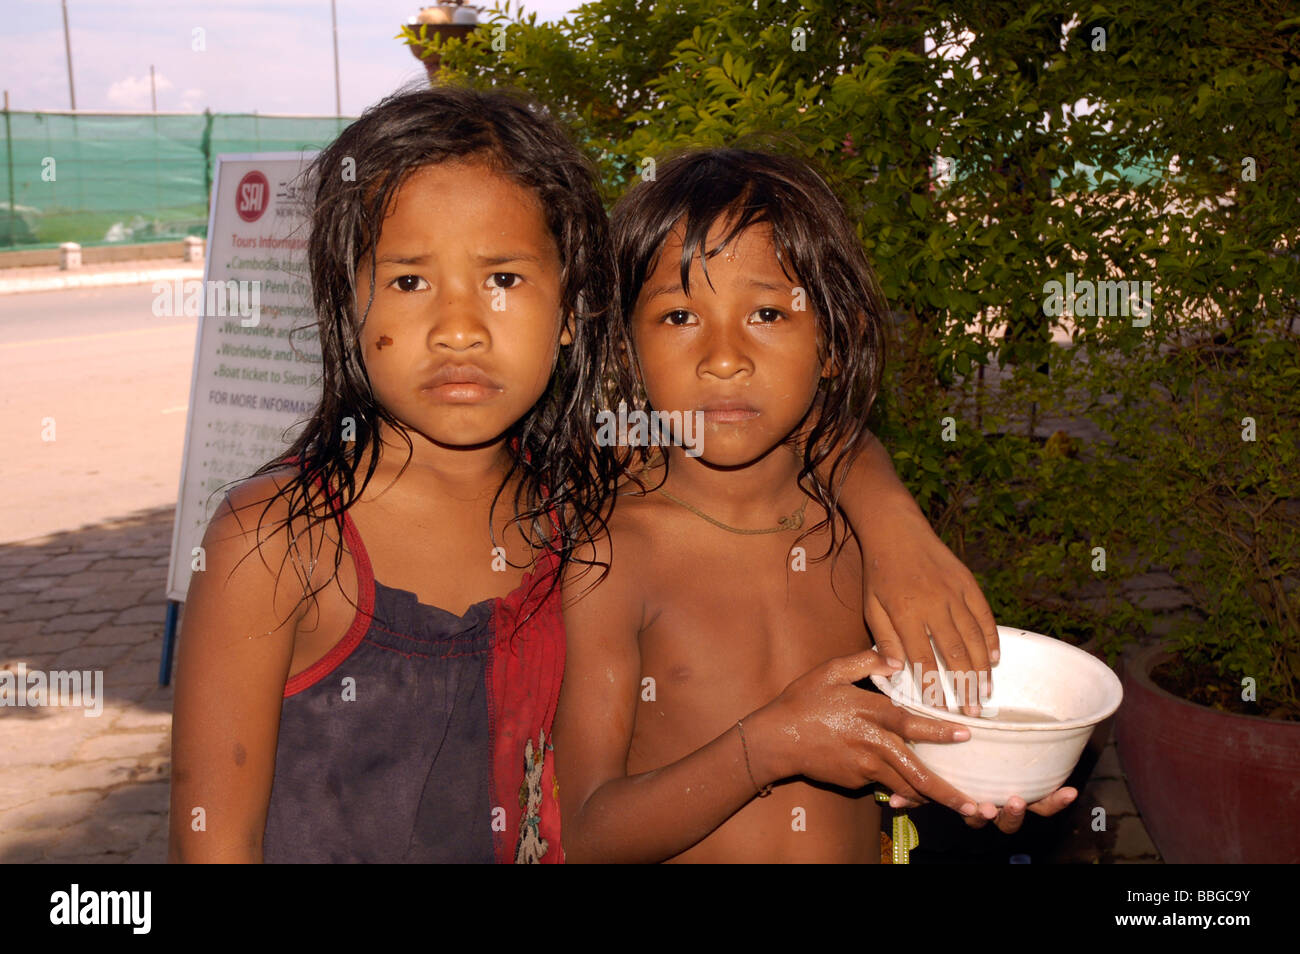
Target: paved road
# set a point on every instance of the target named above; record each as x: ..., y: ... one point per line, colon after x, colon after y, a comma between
x: 115, y: 380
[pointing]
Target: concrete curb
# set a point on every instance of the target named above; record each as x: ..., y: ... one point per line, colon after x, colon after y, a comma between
x: 14, y: 286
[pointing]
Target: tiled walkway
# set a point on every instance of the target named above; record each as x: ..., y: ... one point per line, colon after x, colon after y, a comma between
x: 76, y: 787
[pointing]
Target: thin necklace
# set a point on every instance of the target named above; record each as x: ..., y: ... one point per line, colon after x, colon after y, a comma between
x: 792, y: 522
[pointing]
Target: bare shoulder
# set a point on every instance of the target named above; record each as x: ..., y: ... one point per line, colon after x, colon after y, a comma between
x: 610, y: 571
x: 257, y: 505
x: 642, y: 515
x: 262, y: 523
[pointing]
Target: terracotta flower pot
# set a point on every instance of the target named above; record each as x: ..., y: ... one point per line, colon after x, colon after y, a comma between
x: 1212, y: 787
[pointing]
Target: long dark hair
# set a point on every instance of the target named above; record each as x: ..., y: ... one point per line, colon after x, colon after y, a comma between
x: 816, y: 245
x: 351, y: 185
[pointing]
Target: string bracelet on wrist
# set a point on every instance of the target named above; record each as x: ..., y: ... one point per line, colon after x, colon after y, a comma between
x: 764, y: 790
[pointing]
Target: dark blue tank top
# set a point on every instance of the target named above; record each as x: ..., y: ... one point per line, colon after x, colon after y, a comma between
x: 384, y: 747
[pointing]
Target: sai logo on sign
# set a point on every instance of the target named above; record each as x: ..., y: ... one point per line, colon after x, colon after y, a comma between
x: 251, y: 196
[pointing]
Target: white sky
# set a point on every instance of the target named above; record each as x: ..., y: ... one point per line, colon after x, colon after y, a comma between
x: 273, y: 56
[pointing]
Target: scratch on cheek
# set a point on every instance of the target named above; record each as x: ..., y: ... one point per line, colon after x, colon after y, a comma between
x: 383, y: 340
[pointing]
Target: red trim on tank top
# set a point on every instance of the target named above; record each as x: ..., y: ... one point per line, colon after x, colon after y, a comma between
x: 506, y: 609
x: 360, y: 621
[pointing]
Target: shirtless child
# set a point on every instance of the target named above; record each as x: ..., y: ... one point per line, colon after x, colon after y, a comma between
x: 718, y: 656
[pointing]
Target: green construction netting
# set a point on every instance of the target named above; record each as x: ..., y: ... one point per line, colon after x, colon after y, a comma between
x: 102, y: 178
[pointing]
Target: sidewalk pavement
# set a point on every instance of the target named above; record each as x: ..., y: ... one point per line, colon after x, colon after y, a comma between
x: 77, y: 787
x: 52, y: 278
x: 85, y: 789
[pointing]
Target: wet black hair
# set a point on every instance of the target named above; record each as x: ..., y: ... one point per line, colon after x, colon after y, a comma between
x: 818, y: 249
x: 350, y: 187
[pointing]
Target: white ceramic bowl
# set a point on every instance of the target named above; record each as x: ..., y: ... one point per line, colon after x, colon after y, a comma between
x: 1002, y: 758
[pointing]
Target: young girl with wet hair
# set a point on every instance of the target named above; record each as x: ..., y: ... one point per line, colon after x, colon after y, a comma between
x: 709, y: 710
x: 391, y: 698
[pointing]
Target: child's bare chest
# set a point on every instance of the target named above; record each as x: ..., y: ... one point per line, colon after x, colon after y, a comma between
x: 730, y: 626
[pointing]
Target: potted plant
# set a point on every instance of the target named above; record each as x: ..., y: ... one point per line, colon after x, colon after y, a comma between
x: 434, y: 25
x: 1209, y: 733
